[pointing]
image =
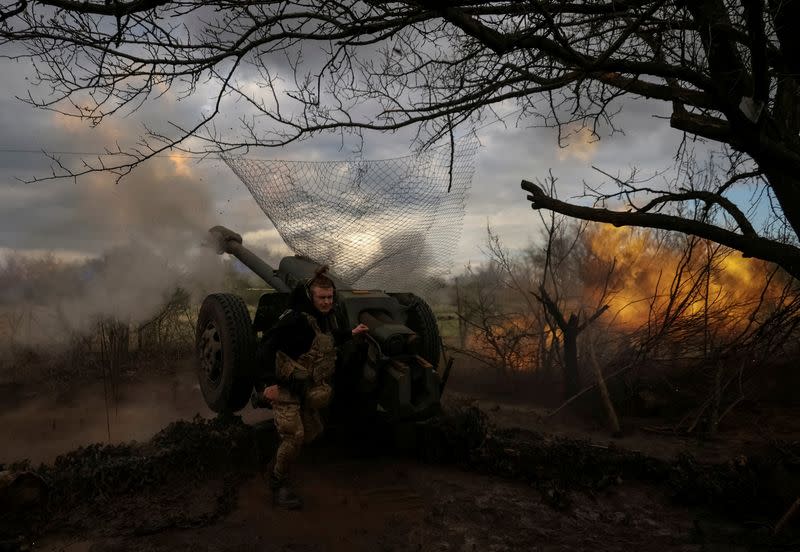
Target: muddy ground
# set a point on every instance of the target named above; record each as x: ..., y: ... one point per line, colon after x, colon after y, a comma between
x: 489, y: 476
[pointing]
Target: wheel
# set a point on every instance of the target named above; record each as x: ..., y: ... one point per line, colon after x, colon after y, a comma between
x: 423, y: 322
x: 225, y: 345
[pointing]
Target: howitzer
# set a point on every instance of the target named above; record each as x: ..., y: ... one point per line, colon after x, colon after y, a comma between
x: 393, y: 371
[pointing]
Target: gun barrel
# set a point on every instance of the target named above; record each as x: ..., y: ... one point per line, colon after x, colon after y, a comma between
x: 228, y: 241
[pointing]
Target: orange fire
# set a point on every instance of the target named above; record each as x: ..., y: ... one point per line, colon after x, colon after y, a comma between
x: 501, y: 342
x: 652, y: 272
x: 654, y: 281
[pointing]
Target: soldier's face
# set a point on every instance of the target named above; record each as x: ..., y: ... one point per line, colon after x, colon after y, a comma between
x: 322, y: 298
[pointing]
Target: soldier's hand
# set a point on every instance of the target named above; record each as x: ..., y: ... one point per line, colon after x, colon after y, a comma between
x: 361, y: 328
x: 258, y: 399
x: 271, y: 393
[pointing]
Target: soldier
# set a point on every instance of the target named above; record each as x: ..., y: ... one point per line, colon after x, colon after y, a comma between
x: 305, y: 340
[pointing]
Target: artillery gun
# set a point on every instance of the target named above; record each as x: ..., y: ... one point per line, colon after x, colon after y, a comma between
x: 392, y: 373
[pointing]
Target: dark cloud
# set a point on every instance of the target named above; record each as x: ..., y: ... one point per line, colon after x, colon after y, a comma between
x: 179, y: 199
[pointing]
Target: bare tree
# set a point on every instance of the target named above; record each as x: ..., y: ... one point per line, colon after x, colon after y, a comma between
x: 503, y: 334
x: 729, y: 70
x: 563, y: 256
x: 170, y: 332
x: 516, y: 332
x: 570, y: 329
x: 684, y: 334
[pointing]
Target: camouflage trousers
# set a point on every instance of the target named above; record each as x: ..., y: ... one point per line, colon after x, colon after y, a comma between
x: 296, y: 425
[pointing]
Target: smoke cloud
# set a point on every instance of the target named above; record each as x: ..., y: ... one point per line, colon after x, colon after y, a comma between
x: 154, y: 223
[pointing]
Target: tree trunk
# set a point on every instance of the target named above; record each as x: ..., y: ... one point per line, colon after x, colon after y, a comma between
x: 571, y: 375
x: 786, y: 186
x: 716, y: 400
x: 462, y: 324
x: 613, y: 419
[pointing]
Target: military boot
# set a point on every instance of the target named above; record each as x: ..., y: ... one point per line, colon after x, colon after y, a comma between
x: 282, y: 494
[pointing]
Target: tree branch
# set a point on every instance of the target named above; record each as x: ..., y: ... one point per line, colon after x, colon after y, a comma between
x: 597, y: 314
x: 785, y: 255
x: 709, y: 198
x: 551, y: 307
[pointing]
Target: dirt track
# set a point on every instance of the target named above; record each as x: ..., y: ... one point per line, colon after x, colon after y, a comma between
x: 198, y: 486
x: 385, y: 503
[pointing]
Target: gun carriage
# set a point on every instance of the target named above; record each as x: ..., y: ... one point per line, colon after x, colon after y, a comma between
x: 391, y: 373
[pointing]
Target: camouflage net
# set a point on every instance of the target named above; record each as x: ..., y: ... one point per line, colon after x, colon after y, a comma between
x: 391, y: 224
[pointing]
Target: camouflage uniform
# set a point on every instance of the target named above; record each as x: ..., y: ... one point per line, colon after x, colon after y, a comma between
x: 297, y: 418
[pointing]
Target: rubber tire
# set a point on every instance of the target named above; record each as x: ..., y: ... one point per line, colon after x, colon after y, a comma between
x: 233, y: 331
x: 422, y: 321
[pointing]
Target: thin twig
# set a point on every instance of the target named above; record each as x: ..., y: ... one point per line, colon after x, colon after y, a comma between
x: 586, y: 390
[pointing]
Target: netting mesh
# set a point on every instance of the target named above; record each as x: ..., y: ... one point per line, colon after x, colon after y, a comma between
x: 392, y: 224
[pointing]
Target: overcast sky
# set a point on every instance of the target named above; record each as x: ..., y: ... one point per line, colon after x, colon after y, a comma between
x: 176, y: 197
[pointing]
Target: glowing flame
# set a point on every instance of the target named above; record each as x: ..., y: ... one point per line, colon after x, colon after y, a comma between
x: 649, y: 274
x: 655, y: 284
x: 501, y: 340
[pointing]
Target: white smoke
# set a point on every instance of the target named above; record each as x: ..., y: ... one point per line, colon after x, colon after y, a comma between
x: 155, y: 222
